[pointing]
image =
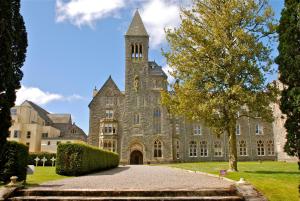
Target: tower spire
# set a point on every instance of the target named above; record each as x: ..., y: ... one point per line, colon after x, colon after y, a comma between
x: 136, y: 27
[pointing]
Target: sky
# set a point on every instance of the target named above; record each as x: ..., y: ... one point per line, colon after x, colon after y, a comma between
x: 75, y: 45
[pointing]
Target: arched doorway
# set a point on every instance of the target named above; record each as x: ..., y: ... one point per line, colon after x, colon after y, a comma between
x: 136, y: 157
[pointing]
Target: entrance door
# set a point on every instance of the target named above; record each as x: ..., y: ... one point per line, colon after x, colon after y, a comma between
x: 136, y: 157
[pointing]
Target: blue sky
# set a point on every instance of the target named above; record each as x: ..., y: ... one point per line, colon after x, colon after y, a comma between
x: 74, y: 45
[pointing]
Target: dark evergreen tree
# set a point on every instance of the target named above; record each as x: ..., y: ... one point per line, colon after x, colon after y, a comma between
x: 289, y: 70
x: 13, y: 44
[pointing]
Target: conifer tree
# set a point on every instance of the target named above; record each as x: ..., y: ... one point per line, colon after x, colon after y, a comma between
x: 13, y: 44
x: 289, y: 70
x: 220, y: 55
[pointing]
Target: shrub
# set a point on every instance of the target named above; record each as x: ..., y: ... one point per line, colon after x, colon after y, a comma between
x: 77, y: 159
x: 41, y: 155
x: 15, y: 161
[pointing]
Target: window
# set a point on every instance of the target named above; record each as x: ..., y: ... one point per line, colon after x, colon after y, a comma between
x: 258, y: 129
x: 260, y: 148
x: 242, y: 148
x: 109, y: 145
x: 157, y: 121
x: 28, y: 135
x: 193, y: 149
x: 157, y: 149
x: 203, y: 149
x: 109, y: 129
x: 13, y: 111
x: 44, y: 135
x: 238, y: 129
x: 136, y: 119
x: 238, y: 114
x: 109, y: 114
x: 109, y: 101
x: 177, y: 149
x: 270, y: 148
x: 218, y: 149
x: 49, y: 143
x: 74, y: 130
x: 9, y: 134
x: 177, y: 128
x: 27, y: 144
x: 16, y: 134
x: 197, y: 129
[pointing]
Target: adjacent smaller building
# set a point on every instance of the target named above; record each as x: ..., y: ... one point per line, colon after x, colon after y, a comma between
x: 40, y: 130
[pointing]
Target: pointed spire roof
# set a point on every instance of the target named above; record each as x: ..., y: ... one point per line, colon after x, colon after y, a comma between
x: 136, y: 27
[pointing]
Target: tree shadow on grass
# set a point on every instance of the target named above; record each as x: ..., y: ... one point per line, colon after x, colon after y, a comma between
x: 272, y: 172
x: 31, y: 185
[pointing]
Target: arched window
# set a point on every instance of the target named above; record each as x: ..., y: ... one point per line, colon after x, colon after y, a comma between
x: 260, y: 148
x: 136, y: 51
x: 136, y: 119
x: 157, y: 149
x: 203, y: 149
x: 193, y: 149
x: 141, y: 51
x: 132, y: 51
x: 270, y: 148
x: 242, y: 148
x: 157, y: 121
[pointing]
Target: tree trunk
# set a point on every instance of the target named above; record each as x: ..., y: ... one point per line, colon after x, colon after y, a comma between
x: 232, y: 150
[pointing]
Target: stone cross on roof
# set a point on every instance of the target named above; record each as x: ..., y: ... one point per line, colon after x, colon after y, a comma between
x: 136, y: 27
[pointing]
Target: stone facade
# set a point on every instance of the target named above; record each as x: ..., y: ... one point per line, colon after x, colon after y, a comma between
x: 135, y: 124
x: 40, y: 130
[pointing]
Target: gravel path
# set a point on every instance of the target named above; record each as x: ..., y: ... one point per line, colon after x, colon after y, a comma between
x: 140, y: 177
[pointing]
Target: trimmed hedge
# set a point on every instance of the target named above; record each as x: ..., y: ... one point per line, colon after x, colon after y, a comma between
x: 75, y: 159
x: 15, y: 161
x: 41, y: 155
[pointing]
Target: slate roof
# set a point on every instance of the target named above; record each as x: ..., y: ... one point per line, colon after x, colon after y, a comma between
x: 41, y: 112
x: 60, y: 118
x: 136, y: 27
x: 155, y: 69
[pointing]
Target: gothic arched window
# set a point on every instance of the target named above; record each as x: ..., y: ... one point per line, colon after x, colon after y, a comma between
x: 157, y: 149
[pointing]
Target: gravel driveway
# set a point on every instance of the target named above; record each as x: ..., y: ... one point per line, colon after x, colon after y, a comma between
x: 140, y: 177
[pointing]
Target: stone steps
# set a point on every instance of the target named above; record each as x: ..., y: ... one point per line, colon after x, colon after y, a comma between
x: 82, y: 198
x: 229, y: 194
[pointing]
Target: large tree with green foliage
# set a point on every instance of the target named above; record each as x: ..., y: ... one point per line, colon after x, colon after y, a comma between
x: 13, y: 44
x: 220, y: 56
x: 289, y: 69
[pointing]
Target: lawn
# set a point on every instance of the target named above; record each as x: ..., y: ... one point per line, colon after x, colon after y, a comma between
x: 278, y: 181
x: 43, y: 174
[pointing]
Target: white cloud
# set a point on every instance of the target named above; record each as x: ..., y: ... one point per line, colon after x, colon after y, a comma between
x: 40, y: 97
x: 158, y: 15
x: 168, y: 70
x: 86, y: 12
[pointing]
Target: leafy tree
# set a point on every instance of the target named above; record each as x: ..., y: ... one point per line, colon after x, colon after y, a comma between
x: 220, y: 56
x: 289, y: 69
x: 13, y: 44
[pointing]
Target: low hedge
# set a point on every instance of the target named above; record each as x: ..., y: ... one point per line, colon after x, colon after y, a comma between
x: 41, y: 155
x: 75, y: 159
x: 14, y: 161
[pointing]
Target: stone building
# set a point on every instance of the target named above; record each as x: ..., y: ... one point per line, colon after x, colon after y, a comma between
x: 134, y: 124
x: 40, y: 130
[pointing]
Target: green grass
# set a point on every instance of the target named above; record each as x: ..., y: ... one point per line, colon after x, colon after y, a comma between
x: 278, y: 181
x: 43, y: 174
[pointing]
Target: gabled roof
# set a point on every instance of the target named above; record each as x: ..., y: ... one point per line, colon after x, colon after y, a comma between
x: 108, y: 82
x: 61, y: 118
x: 155, y: 69
x: 41, y: 112
x: 136, y: 27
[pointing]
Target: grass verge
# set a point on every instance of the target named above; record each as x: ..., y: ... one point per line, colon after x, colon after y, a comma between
x: 43, y: 174
x: 278, y: 181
